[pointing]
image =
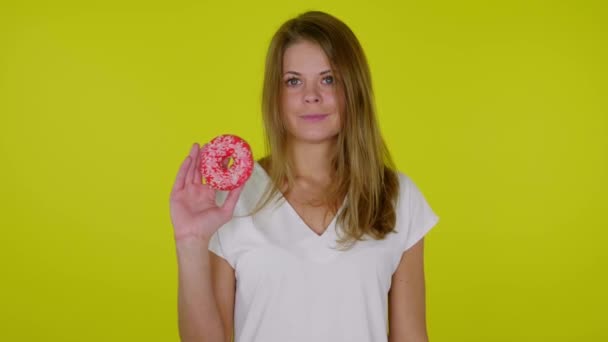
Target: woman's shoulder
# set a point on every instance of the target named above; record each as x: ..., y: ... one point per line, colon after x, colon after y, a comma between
x: 403, y: 180
x: 409, y: 192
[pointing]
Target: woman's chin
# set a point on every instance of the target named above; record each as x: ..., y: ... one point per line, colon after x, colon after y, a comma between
x: 315, y: 138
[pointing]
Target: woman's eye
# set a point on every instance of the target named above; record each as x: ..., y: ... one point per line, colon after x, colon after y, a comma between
x: 291, y: 79
x: 290, y: 83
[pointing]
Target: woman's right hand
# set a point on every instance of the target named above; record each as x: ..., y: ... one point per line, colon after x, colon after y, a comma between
x: 194, y: 212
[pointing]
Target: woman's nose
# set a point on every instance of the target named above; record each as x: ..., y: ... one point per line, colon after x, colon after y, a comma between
x: 312, y: 99
x: 312, y: 95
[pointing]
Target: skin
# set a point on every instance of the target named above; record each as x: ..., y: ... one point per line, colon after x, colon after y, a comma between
x: 310, y: 92
x: 406, y: 298
x: 311, y: 142
x: 310, y: 86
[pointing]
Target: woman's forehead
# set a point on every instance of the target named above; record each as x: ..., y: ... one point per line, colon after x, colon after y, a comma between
x: 305, y: 58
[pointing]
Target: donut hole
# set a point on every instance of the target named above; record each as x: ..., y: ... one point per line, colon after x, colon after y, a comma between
x: 228, y: 162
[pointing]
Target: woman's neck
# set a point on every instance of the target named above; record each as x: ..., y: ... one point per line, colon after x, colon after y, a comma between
x: 312, y: 161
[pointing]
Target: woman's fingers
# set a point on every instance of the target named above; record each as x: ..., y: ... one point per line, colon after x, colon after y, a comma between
x: 181, y: 175
x: 190, y: 174
x: 197, y: 171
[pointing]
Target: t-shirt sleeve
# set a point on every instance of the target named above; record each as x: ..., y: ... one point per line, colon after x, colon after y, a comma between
x: 421, y: 217
x: 215, y: 245
x: 223, y: 242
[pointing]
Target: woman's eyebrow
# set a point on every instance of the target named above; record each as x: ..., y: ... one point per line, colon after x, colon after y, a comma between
x: 297, y: 73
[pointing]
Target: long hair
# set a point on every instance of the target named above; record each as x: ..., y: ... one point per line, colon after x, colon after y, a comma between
x: 363, y: 171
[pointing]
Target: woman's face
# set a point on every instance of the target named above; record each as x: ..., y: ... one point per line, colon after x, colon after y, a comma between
x: 310, y: 87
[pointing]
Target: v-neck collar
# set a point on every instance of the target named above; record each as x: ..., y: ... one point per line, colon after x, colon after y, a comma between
x: 329, y: 230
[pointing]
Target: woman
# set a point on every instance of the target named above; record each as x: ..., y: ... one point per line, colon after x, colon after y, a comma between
x: 326, y: 237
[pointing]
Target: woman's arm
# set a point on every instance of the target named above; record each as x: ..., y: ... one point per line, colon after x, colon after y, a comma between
x: 198, y: 314
x: 407, y: 311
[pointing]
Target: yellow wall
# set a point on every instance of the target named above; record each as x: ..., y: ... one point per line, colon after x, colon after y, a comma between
x: 497, y: 110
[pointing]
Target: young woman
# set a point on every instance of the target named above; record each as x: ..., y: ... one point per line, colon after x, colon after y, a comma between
x: 324, y: 242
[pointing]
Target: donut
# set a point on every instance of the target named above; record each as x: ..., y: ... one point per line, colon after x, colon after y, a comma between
x: 214, y: 155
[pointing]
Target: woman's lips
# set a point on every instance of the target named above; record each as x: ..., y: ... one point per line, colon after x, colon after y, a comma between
x: 314, y: 117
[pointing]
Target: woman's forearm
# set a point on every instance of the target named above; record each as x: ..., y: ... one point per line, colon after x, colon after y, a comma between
x: 198, y: 314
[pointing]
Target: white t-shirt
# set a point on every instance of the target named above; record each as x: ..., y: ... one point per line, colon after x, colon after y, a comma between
x: 291, y: 286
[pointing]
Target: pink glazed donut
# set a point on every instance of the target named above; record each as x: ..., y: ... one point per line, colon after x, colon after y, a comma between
x: 215, y: 153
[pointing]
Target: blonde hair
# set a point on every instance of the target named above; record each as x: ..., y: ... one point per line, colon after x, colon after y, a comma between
x: 362, y: 167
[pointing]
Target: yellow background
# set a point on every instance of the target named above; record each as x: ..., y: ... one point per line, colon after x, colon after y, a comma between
x: 497, y: 110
